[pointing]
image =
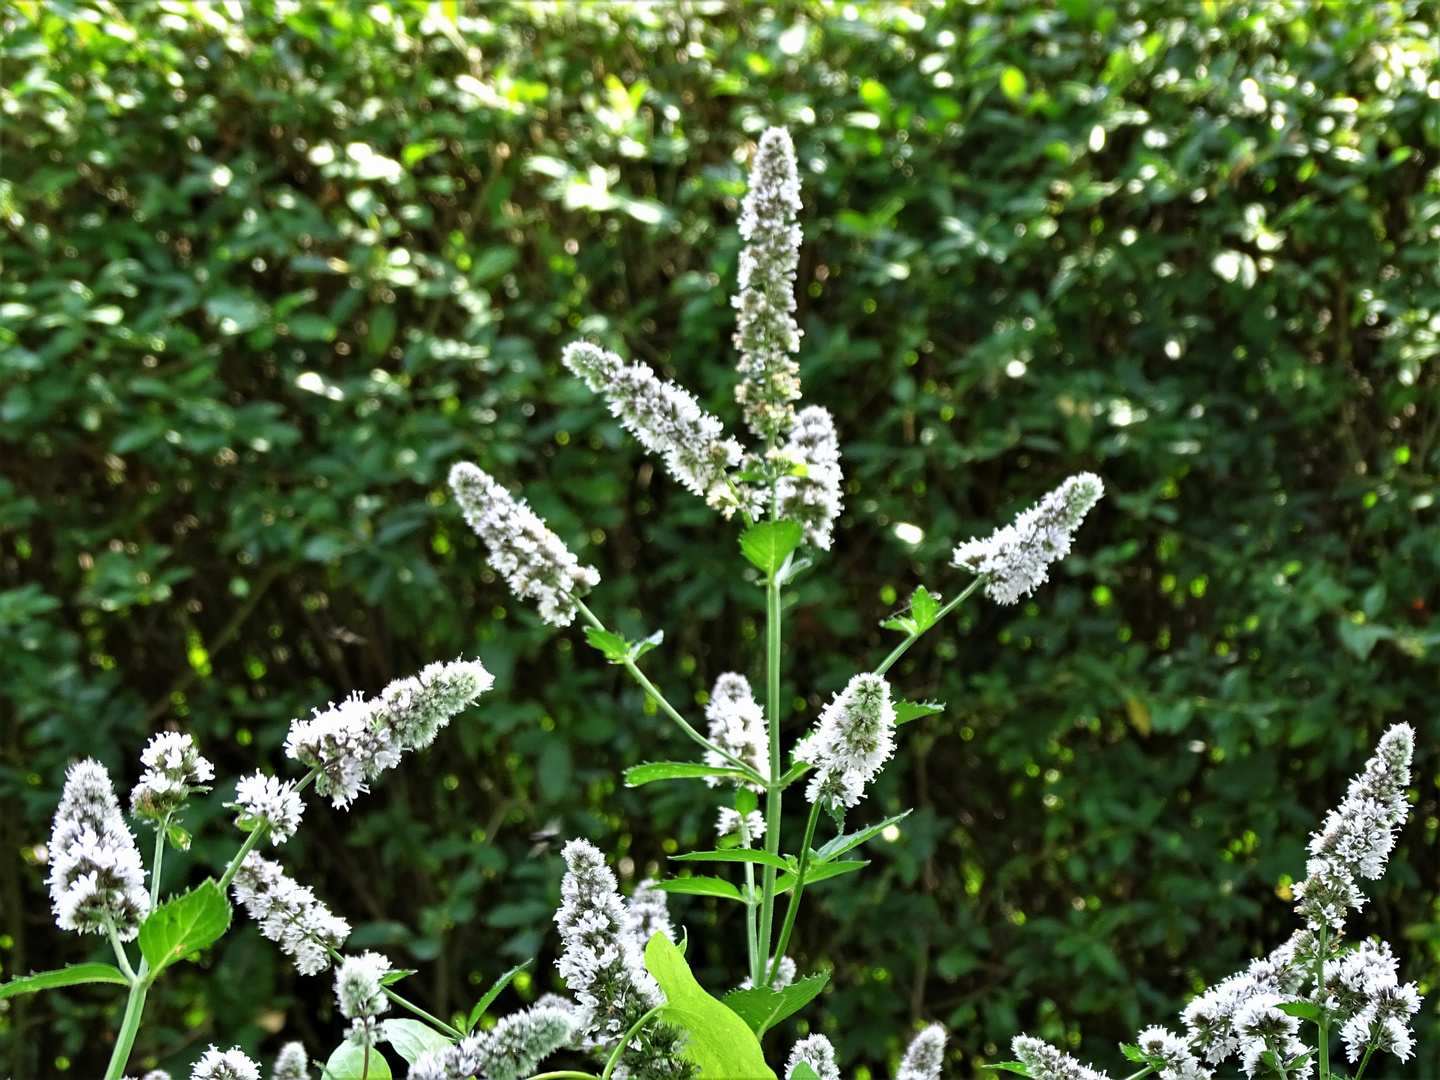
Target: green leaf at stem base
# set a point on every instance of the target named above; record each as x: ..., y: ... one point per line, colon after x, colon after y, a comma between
x: 184, y: 925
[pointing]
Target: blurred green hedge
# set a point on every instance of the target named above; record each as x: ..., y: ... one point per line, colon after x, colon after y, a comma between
x: 268, y: 268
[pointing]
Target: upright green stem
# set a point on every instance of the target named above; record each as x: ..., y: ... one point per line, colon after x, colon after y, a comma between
x: 653, y: 691
x: 160, y: 833
x: 624, y: 1042
x: 444, y: 1027
x: 772, y: 787
x: 1364, y: 1061
x: 1324, y: 1022
x: 120, y: 955
x: 899, y: 650
x: 751, y: 944
x: 129, y: 1027
x: 794, y: 905
x: 257, y: 834
x: 1146, y: 1071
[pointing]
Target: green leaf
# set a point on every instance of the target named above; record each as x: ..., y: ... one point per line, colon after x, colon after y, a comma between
x: 674, y: 770
x: 1303, y: 1009
x: 746, y: 801
x: 615, y: 647
x: 411, y: 1039
x: 786, y: 882
x: 390, y: 978
x: 841, y: 844
x: 1011, y: 1066
x: 184, y: 925
x: 700, y: 886
x: 311, y: 327
x: 751, y: 855
x: 1134, y: 1053
x: 763, y: 1007
x: 491, y: 994
x: 66, y: 976
x: 640, y: 648
x: 768, y: 543
x: 720, y: 1043
x: 1360, y: 638
x: 348, y: 1062
x: 923, y: 608
x: 178, y: 837
x: 905, y: 711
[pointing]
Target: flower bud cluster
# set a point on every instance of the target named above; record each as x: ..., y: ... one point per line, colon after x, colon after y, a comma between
x: 1016, y: 558
x: 288, y: 913
x: 1376, y: 1008
x: 765, y: 333
x: 924, y: 1056
x: 261, y: 798
x: 1174, y: 1052
x: 1044, y: 1062
x: 173, y: 769
x: 533, y: 560
x: 292, y: 1063
x: 359, y: 993
x: 666, y: 419
x: 230, y: 1064
x: 817, y: 1052
x: 606, y: 972
x: 508, y: 1051
x: 813, y: 499
x: 737, y: 726
x: 850, y: 745
x: 358, y: 739
x: 97, y: 882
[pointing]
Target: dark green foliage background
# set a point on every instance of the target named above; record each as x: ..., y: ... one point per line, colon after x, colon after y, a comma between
x: 1207, y: 232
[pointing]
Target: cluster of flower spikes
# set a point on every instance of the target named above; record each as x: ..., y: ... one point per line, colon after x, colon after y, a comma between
x: 737, y: 726
x: 1361, y: 990
x: 852, y: 740
x: 1015, y: 559
x: 532, y: 559
x: 288, y: 913
x: 508, y: 1051
x: 922, y: 1059
x: 603, y: 966
x: 97, y: 881
x: 358, y: 739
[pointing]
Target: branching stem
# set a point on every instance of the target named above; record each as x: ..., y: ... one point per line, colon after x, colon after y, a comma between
x: 899, y: 650
x: 620, y: 1049
x: 794, y: 905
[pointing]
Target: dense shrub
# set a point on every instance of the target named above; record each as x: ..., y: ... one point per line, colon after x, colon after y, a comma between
x: 268, y: 268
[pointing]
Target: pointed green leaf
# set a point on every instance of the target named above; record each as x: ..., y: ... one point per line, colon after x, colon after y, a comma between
x: 746, y: 801
x: 640, y: 648
x: 699, y: 886
x: 674, y: 770
x: 841, y: 844
x: 905, y: 711
x: 185, y: 924
x: 720, y: 1043
x: 178, y: 837
x: 803, y: 1071
x: 1134, y: 1053
x: 1303, y: 1009
x: 751, y: 855
x: 762, y: 1007
x: 66, y: 976
x: 412, y: 1039
x: 768, y: 543
x: 615, y: 647
x: 390, y: 978
x: 923, y: 609
x: 1011, y: 1066
x: 491, y: 994
x: 786, y: 882
x: 349, y: 1062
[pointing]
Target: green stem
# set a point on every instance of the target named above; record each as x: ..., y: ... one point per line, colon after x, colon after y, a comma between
x: 120, y: 956
x: 159, y: 860
x: 751, y: 943
x: 1323, y: 1023
x: 650, y: 688
x: 257, y: 834
x: 444, y: 1027
x: 1364, y: 1061
x: 794, y: 905
x: 129, y: 1027
x: 899, y: 650
x: 772, y: 787
x: 620, y: 1048
x: 1146, y: 1071
x: 563, y: 1074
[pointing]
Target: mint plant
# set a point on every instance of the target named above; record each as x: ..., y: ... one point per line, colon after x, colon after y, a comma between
x: 634, y: 1006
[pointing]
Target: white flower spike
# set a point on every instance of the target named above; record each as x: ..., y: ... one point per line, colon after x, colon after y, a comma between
x: 97, y: 882
x: 289, y: 914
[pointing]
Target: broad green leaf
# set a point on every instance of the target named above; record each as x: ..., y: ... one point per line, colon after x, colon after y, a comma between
x: 1011, y: 1066
x: 1134, y: 1053
x: 767, y: 543
x: 763, y: 1007
x: 720, y: 1043
x: 674, y: 770
x: 700, y: 886
x: 905, y: 711
x: 491, y: 994
x: 924, y: 606
x: 185, y: 924
x: 841, y: 844
x: 411, y: 1038
x: 351, y: 1062
x: 66, y: 976
x: 615, y: 647
x: 751, y: 855
x: 786, y: 882
x: 1361, y: 638
x: 746, y: 801
x: 1303, y: 1009
x: 803, y: 1071
x: 178, y: 837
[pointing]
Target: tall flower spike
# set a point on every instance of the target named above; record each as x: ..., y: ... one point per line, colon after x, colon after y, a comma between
x: 356, y: 740
x: 1044, y: 1062
x: 814, y: 499
x: 533, y: 560
x: 289, y: 914
x: 266, y: 798
x: 737, y: 726
x: 291, y: 1063
x: 765, y: 331
x: 508, y: 1051
x: 646, y: 914
x: 606, y: 973
x: 924, y: 1056
x: 851, y: 743
x: 173, y: 769
x: 97, y: 881
x: 1016, y: 558
x: 815, y: 1051
x: 359, y: 994
x: 665, y: 419
x: 229, y: 1064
